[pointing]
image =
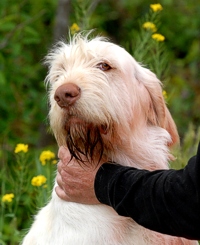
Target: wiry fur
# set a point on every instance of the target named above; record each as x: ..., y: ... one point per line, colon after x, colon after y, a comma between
x: 120, y: 116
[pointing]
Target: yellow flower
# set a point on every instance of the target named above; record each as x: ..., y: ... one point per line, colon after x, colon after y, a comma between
x: 156, y: 7
x: 149, y: 26
x: 46, y: 156
x: 38, y: 180
x: 74, y: 28
x: 8, y: 197
x: 158, y: 37
x: 164, y: 94
x: 21, y: 147
x: 54, y: 162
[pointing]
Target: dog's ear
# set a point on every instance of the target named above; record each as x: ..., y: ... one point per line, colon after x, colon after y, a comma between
x: 156, y: 110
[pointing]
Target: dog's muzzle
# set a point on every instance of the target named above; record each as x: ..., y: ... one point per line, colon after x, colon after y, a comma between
x: 67, y: 94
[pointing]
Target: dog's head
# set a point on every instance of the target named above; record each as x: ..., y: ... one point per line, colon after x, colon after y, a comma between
x: 100, y: 96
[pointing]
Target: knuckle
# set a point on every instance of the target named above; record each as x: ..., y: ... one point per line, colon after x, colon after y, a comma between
x: 59, y: 166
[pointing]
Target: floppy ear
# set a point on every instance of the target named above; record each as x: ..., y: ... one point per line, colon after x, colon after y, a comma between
x: 157, y: 112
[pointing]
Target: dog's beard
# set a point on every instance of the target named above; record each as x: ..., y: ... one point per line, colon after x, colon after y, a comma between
x: 84, y: 141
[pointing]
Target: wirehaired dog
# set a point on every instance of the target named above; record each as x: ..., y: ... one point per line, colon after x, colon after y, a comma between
x: 104, y: 105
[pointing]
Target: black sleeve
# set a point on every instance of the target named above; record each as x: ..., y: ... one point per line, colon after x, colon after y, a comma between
x: 167, y: 201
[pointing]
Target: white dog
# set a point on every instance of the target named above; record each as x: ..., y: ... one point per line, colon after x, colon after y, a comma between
x: 104, y: 105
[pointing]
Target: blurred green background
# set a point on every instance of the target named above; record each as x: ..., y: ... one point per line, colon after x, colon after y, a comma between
x: 28, y: 29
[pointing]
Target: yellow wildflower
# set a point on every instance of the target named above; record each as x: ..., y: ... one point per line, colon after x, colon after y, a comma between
x: 21, y: 147
x: 156, y: 7
x: 164, y: 94
x: 74, y: 28
x: 46, y: 156
x: 149, y: 26
x: 38, y: 180
x: 158, y: 37
x: 8, y: 197
x: 54, y: 162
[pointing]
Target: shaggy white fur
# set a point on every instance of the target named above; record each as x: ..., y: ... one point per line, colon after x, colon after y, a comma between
x: 109, y: 106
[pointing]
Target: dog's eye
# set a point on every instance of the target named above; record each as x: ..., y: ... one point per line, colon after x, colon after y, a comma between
x: 103, y: 66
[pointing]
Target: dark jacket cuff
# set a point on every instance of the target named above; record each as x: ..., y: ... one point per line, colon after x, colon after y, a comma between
x: 103, y: 181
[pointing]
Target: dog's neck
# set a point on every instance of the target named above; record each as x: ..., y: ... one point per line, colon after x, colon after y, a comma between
x: 149, y: 150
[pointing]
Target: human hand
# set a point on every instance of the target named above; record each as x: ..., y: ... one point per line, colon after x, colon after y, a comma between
x: 75, y: 181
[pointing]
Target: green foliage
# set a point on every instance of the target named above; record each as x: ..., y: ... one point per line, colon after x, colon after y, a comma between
x: 16, y: 178
x: 146, y: 49
x: 82, y: 12
x: 21, y: 84
x: 188, y: 147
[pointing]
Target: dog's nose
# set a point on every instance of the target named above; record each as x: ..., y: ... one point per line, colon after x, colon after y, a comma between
x: 67, y: 94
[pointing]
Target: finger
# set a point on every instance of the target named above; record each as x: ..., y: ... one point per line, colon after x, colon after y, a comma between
x: 70, y: 169
x: 59, y: 166
x: 59, y: 180
x: 64, y: 154
x: 73, y: 162
x: 65, y: 181
x: 62, y: 166
x: 61, y: 194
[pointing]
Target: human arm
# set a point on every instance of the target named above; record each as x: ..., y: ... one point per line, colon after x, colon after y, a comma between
x: 167, y: 201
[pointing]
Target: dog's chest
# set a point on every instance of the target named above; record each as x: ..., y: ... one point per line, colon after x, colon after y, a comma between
x: 97, y: 224
x: 94, y: 224
x: 62, y: 223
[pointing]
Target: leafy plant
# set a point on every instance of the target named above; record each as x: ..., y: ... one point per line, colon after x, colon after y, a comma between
x: 189, y: 144
x: 26, y: 184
